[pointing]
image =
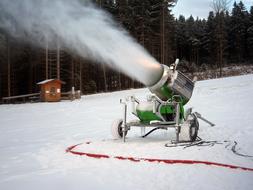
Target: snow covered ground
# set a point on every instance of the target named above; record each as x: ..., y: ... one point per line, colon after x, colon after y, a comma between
x: 34, y: 137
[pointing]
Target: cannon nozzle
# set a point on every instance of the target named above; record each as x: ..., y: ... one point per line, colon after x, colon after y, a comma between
x: 173, y: 82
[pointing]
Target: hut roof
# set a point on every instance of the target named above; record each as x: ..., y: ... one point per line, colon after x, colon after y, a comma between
x: 50, y: 80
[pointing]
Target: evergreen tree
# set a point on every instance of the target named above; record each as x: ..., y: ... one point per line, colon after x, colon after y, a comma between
x: 180, y: 37
x: 238, y: 32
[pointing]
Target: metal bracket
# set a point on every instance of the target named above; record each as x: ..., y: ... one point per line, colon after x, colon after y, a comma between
x: 133, y: 101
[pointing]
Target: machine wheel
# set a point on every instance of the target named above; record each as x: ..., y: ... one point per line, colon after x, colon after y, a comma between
x: 189, y: 129
x: 117, y: 129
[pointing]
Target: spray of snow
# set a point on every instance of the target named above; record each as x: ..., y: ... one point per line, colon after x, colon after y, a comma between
x: 82, y: 28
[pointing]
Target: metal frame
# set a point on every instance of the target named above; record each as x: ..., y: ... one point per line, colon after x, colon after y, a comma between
x: 176, y: 123
x: 156, y: 109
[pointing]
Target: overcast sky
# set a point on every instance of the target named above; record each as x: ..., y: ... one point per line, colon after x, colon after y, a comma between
x: 200, y: 8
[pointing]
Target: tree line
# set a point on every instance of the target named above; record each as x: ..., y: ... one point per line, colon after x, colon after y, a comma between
x: 221, y: 39
x: 224, y: 38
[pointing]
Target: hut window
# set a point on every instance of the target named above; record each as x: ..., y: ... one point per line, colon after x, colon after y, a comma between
x: 52, y: 90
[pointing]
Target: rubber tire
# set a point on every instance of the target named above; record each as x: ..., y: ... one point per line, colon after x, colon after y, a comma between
x: 189, y: 130
x: 117, y: 129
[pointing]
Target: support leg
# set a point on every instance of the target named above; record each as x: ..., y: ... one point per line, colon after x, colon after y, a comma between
x: 124, y: 120
x: 198, y: 115
x: 177, y: 127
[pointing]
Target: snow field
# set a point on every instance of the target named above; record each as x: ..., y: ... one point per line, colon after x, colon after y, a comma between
x: 34, y: 137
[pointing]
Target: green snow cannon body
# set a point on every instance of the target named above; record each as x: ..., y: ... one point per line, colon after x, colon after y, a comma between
x: 164, y: 108
x: 173, y: 86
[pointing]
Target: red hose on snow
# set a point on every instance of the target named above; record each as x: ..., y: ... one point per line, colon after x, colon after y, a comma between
x: 166, y: 161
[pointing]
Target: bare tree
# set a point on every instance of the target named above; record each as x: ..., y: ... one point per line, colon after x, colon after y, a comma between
x: 219, y: 7
x: 58, y: 61
x: 46, y: 53
x: 8, y: 66
x: 164, y: 28
x: 80, y: 76
x: 103, y: 64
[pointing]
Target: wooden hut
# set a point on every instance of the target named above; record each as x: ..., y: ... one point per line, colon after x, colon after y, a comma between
x: 50, y: 90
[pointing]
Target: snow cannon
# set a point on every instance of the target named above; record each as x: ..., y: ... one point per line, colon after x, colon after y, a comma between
x: 162, y: 109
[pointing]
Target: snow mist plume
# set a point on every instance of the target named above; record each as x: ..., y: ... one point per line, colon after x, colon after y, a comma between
x: 83, y: 29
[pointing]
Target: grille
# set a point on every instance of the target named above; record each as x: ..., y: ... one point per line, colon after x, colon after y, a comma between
x: 183, y: 86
